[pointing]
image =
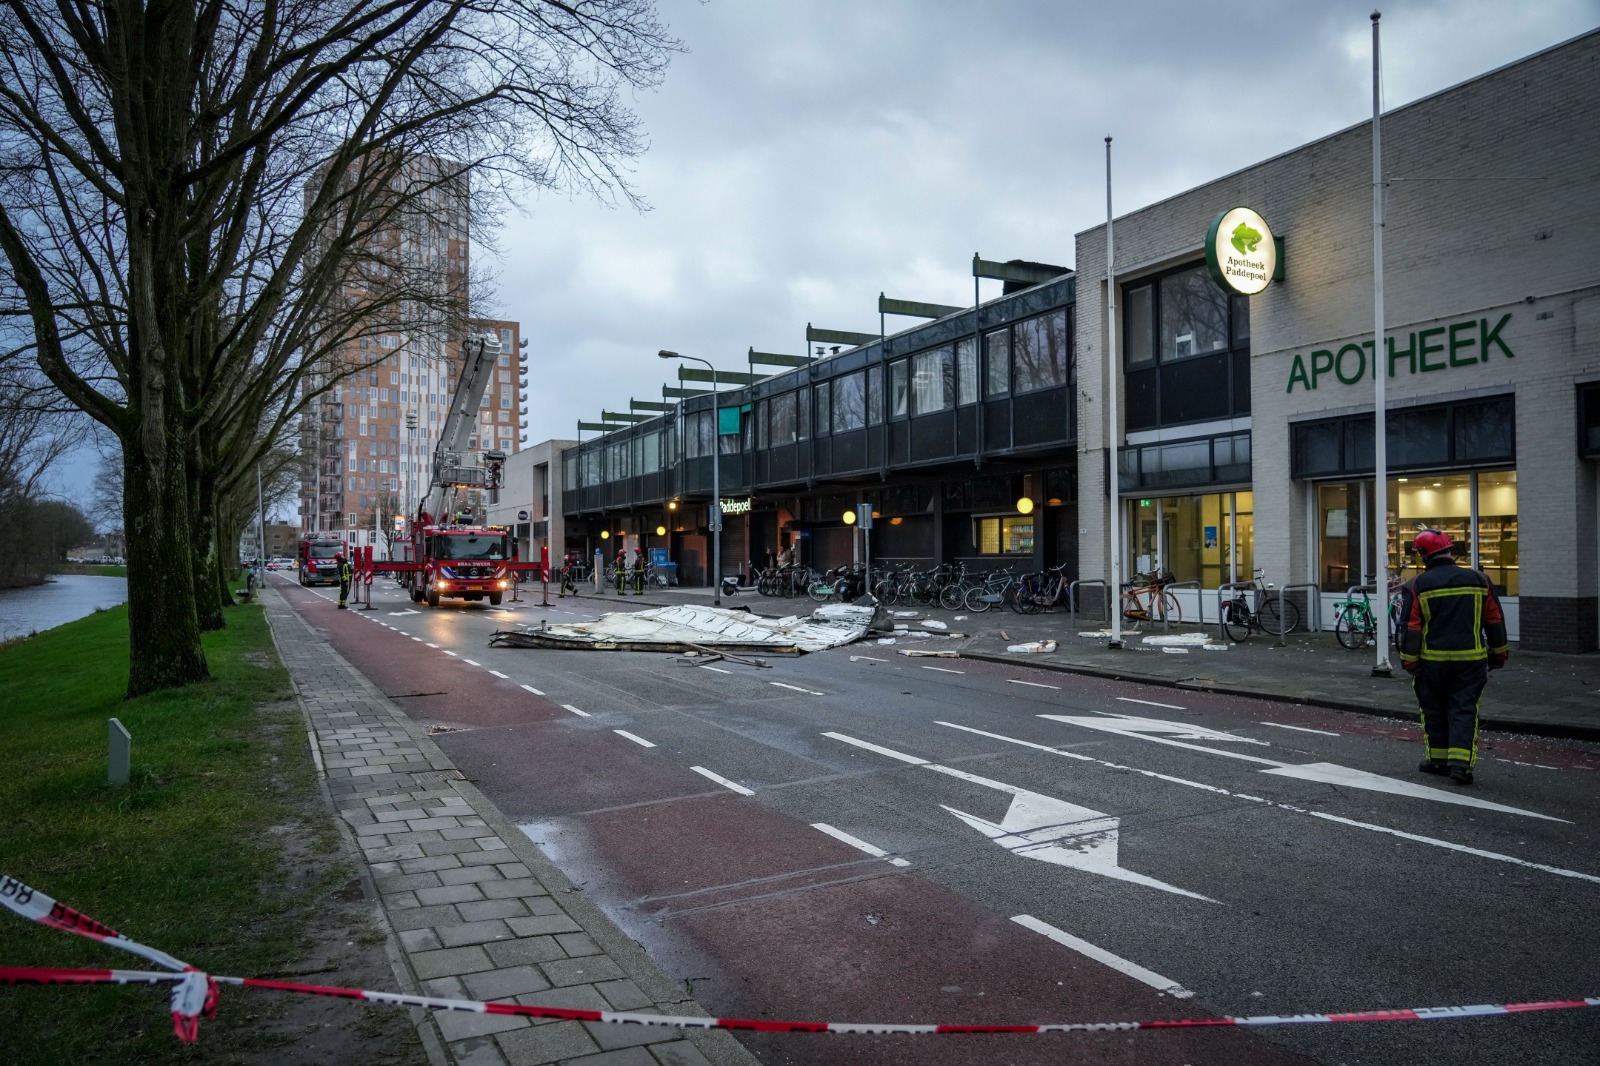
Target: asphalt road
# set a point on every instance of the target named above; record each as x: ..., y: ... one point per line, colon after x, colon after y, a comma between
x: 859, y: 836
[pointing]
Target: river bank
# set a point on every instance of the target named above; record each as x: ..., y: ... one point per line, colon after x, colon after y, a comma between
x: 61, y: 599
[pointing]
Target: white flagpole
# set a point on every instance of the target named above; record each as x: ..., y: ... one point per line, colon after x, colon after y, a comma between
x: 1114, y: 497
x: 1380, y: 455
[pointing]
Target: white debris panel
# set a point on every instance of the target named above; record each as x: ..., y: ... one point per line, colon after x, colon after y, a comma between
x: 686, y: 627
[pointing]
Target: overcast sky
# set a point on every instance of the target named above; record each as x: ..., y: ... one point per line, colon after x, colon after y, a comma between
x: 805, y: 156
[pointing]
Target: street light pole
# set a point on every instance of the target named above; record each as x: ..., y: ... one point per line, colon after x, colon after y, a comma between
x: 716, y: 477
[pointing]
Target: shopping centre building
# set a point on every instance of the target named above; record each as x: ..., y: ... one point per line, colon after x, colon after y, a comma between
x: 1245, y: 376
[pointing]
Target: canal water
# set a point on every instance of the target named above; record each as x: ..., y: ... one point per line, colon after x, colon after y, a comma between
x: 63, y: 599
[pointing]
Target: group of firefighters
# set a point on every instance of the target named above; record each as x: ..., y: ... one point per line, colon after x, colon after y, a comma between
x: 572, y: 566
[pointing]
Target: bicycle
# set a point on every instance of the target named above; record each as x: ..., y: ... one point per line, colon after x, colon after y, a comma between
x: 1146, y: 599
x: 1041, y: 591
x: 1354, y: 623
x: 1240, y: 616
x: 996, y: 589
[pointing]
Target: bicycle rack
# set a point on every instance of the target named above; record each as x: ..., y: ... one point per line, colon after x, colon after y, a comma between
x: 1314, y: 625
x: 1072, y: 597
x: 1166, y: 623
x: 1222, y: 615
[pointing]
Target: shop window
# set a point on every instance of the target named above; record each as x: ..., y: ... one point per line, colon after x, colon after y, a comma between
x: 1003, y: 535
x: 1209, y: 538
x: 1464, y: 434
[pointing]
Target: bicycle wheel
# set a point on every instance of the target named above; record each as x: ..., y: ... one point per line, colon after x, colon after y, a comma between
x: 1133, y: 611
x: 820, y: 589
x: 974, y: 600
x: 1170, y: 609
x: 951, y: 597
x: 1272, y: 622
x: 1354, y: 627
x: 1236, y: 620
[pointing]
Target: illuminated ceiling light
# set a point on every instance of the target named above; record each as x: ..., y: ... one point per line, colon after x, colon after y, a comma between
x: 605, y: 534
x: 849, y: 518
x: 672, y: 505
x: 1024, y: 506
x: 1054, y: 501
x: 661, y: 531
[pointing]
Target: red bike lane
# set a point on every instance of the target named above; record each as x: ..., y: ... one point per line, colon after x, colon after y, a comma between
x: 760, y: 914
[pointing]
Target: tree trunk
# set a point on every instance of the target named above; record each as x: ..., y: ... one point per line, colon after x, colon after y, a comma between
x: 163, y: 629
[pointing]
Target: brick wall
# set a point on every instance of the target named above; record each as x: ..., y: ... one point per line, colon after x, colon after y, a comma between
x: 1560, y: 623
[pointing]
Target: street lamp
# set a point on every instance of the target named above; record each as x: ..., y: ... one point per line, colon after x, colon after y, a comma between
x: 716, y: 478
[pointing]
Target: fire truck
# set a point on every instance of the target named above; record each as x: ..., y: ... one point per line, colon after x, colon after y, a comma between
x: 445, y: 554
x: 317, y: 563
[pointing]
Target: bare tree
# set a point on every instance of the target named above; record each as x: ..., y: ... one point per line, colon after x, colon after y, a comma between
x: 196, y: 205
x: 35, y: 432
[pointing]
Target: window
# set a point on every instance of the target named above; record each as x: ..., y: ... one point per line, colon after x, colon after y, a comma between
x: 997, y: 363
x: 394, y: 377
x: 932, y: 381
x: 966, y: 371
x: 850, y: 402
x: 782, y: 414
x: 874, y: 395
x: 897, y: 389
x: 1186, y: 351
x: 505, y: 399
x: 802, y: 414
x: 1039, y: 347
x: 824, y: 393
x: 1138, y: 317
x: 1003, y: 535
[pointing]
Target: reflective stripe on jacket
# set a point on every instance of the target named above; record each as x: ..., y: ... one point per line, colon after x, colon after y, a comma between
x: 1451, y: 616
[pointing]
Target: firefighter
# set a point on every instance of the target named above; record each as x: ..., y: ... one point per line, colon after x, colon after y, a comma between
x: 1451, y: 635
x: 569, y: 575
x: 638, y: 571
x: 346, y: 573
x: 622, y: 571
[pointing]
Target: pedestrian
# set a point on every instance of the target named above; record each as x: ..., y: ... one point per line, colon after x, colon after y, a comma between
x: 638, y: 571
x: 1452, y: 634
x: 346, y: 573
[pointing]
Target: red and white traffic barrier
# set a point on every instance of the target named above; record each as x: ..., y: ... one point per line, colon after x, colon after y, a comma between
x: 194, y: 995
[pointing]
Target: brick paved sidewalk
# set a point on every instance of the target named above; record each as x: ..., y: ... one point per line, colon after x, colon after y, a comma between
x: 478, y: 911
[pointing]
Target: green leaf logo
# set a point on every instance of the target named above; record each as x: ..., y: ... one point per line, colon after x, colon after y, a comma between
x: 1245, y: 239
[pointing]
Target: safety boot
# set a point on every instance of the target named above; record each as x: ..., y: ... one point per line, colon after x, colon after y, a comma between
x: 1428, y: 766
x: 1460, y: 775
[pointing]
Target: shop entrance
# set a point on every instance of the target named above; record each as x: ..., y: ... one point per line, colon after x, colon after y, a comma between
x: 1209, y: 538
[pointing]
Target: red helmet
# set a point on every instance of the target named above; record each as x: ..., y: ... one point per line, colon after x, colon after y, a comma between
x: 1429, y: 542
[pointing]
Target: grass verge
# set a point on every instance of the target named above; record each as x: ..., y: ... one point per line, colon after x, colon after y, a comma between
x: 188, y: 857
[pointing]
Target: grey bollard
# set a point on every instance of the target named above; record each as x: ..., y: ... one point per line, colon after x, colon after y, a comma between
x: 121, y: 746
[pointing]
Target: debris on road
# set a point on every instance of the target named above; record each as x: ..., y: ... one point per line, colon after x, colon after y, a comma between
x: 920, y: 653
x: 693, y: 628
x: 1032, y: 647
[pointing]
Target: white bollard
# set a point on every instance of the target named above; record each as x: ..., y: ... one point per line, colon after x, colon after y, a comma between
x: 121, y: 747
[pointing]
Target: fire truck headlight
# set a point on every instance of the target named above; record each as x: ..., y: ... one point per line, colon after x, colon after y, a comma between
x: 443, y: 584
x: 505, y: 584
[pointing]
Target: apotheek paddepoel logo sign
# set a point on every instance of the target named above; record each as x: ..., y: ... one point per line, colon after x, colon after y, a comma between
x: 1241, y: 252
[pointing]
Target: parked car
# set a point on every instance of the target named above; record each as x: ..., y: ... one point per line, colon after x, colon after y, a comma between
x: 278, y: 563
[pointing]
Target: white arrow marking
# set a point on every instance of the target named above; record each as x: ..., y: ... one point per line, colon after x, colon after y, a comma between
x: 398, y: 614
x: 1042, y: 827
x: 1342, y: 775
x: 1328, y: 773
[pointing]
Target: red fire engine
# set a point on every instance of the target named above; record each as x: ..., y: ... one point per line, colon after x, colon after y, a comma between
x: 317, y: 563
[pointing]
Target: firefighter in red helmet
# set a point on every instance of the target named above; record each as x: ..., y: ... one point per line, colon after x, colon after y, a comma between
x: 1452, y: 634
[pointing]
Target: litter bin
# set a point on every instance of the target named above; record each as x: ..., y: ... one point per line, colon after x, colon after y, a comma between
x: 666, y: 574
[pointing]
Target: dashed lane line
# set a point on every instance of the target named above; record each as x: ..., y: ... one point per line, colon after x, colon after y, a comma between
x: 716, y: 669
x: 796, y: 688
x: 1031, y: 684
x: 857, y: 843
x: 732, y: 786
x: 1152, y: 703
x: 497, y: 673
x: 1164, y: 985
x: 944, y: 669
x: 641, y: 741
x: 533, y: 690
x: 574, y: 710
x: 471, y: 662
x: 1301, y: 729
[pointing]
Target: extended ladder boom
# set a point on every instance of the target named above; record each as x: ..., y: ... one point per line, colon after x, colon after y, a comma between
x: 454, y: 467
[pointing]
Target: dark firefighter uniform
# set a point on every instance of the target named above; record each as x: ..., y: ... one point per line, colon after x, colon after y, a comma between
x: 346, y: 573
x: 1452, y: 634
x: 569, y: 575
x: 638, y: 572
x: 622, y: 571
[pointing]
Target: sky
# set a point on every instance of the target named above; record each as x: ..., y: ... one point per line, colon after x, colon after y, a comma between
x: 804, y: 157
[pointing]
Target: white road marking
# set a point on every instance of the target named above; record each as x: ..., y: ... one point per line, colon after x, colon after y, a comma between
x: 797, y: 688
x: 417, y: 639
x: 857, y: 843
x: 1043, y: 828
x: 447, y: 651
x: 1031, y: 684
x: 912, y: 759
x: 1333, y: 774
x: 574, y: 710
x: 1152, y: 703
x: 1519, y: 762
x: 641, y: 741
x: 1164, y: 985
x: 533, y: 690
x: 733, y: 786
x: 717, y: 669
x: 1301, y: 729
x: 470, y: 662
x: 431, y: 645
x: 1281, y: 806
x: 397, y: 614
x: 497, y: 673
x: 402, y: 632
x: 944, y: 669
x: 869, y: 658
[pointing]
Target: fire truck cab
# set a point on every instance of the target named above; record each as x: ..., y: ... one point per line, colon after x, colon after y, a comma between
x: 465, y: 562
x: 317, y: 563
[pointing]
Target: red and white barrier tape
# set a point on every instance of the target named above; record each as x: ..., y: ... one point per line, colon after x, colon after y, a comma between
x: 194, y: 995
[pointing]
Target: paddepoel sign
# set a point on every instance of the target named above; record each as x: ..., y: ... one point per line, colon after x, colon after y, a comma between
x: 1241, y: 251
x: 1466, y: 343
x: 736, y: 506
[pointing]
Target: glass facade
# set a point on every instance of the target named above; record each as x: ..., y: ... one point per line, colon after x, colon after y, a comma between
x: 1186, y: 350
x: 1003, y: 534
x: 1209, y: 538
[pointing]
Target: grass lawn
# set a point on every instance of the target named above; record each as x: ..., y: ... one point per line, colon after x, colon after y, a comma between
x: 93, y: 569
x: 188, y: 857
